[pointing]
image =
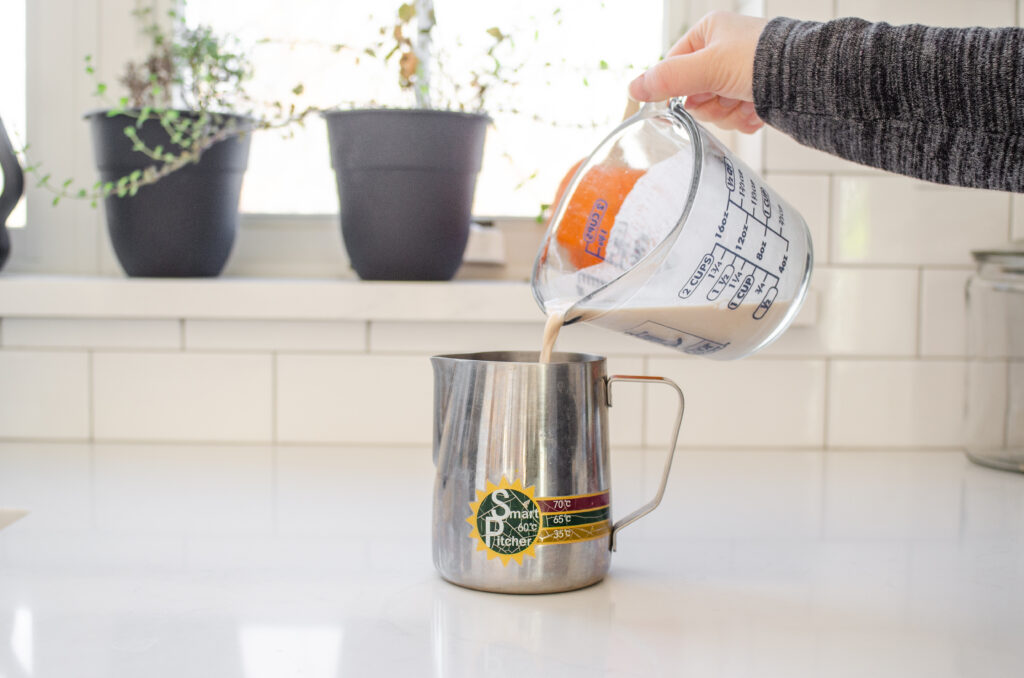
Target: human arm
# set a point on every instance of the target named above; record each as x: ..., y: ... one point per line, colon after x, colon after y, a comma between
x: 712, y: 66
x: 941, y: 104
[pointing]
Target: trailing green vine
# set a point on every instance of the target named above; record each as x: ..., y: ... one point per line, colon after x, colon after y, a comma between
x: 191, y: 83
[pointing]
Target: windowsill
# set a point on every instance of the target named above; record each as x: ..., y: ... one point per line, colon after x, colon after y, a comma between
x: 226, y: 298
x: 264, y: 299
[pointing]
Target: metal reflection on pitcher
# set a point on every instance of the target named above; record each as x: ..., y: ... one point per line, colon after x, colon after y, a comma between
x: 522, y: 496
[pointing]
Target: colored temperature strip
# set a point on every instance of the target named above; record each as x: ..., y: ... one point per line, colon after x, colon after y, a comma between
x: 572, y: 519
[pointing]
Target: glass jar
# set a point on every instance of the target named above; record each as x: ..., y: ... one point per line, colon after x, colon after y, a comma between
x: 995, y: 352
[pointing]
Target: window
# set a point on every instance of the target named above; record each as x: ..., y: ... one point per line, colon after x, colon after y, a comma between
x: 569, y: 90
x: 291, y: 177
x: 12, y: 94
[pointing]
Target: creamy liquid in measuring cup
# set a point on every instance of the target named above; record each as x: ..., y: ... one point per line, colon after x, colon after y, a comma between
x: 645, y: 217
x: 706, y: 327
x: 712, y: 323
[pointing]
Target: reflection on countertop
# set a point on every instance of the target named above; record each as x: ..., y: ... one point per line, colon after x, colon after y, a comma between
x: 192, y: 560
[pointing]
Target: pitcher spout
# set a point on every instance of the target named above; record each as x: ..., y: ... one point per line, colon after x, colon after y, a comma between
x: 444, y: 371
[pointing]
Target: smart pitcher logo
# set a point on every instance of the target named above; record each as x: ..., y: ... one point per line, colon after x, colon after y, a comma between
x: 509, y: 522
x: 505, y: 521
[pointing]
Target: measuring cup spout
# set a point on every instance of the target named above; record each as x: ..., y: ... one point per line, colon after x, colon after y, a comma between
x: 665, y: 235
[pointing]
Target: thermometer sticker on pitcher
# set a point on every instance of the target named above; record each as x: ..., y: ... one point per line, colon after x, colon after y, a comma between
x: 508, y: 522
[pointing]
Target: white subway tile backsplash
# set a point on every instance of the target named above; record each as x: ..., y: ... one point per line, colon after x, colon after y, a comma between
x: 749, y: 148
x: 44, y: 394
x: 51, y: 481
x: 943, y: 313
x: 154, y: 489
x: 444, y: 338
x: 785, y: 154
x: 109, y: 333
x: 805, y: 10
x: 746, y: 403
x: 354, y: 398
x: 389, y: 399
x: 626, y: 416
x: 809, y: 194
x: 183, y: 396
x: 895, y: 220
x: 275, y: 335
x: 1017, y: 226
x: 795, y: 341
x: 870, y: 311
x: 956, y: 14
x: 902, y: 403
x: 862, y: 311
x: 750, y: 7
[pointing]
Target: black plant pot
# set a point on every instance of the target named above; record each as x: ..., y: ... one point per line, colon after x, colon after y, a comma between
x: 406, y: 180
x: 183, y: 225
x: 14, y: 185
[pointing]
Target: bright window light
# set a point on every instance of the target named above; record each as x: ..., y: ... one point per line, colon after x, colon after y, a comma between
x: 569, y: 90
x: 12, y: 94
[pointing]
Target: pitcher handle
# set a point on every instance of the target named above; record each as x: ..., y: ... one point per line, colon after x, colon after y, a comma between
x: 652, y: 504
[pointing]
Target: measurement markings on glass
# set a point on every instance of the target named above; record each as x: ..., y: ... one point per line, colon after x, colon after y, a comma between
x: 671, y: 337
x: 723, y: 271
x: 747, y: 196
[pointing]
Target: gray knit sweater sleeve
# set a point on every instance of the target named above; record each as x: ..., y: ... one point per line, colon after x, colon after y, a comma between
x: 941, y: 104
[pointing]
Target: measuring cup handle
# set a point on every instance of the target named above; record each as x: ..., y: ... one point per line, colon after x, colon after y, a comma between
x: 652, y: 504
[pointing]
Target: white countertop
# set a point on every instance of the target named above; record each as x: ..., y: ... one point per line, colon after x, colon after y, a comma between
x: 227, y: 561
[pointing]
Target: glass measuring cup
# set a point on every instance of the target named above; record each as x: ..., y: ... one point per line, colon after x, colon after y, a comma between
x: 665, y: 235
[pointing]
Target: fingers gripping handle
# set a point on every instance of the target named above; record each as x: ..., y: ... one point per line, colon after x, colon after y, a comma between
x: 653, y: 503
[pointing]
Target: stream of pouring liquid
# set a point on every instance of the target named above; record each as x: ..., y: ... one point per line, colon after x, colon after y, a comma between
x: 556, y: 317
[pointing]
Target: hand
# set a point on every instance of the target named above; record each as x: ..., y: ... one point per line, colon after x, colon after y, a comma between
x: 713, y: 67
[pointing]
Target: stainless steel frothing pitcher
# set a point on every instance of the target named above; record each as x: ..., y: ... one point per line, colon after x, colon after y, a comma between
x: 522, y: 496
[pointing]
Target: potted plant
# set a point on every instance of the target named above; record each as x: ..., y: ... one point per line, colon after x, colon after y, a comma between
x: 406, y: 176
x: 171, y: 153
x: 12, y: 182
